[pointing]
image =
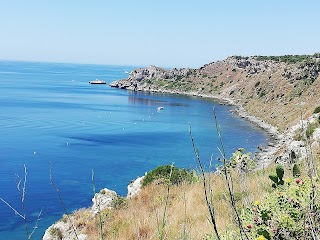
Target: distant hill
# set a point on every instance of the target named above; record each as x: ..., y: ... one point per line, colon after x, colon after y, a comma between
x: 277, y: 89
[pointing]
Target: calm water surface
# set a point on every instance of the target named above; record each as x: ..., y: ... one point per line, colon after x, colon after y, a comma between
x: 49, y: 113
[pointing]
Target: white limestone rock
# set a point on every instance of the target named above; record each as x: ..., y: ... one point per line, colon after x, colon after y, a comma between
x: 103, y: 200
x: 316, y: 134
x: 63, y: 230
x: 134, y: 187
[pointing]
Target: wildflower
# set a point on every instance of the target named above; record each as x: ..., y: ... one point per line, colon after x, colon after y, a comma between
x: 256, y: 219
x: 261, y: 238
x: 257, y: 203
x: 249, y: 226
x: 298, y: 181
x: 287, y: 180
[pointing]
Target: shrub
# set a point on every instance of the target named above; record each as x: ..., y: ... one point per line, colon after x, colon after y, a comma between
x: 119, y: 202
x: 163, y: 173
x: 240, y: 160
x: 262, y: 93
x: 316, y: 110
x: 310, y: 129
x: 178, y: 77
x: 56, y: 232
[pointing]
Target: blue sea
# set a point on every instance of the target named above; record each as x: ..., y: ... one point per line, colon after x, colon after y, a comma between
x: 49, y: 113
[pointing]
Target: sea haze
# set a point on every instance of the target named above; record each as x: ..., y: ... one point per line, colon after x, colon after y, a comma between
x: 50, y: 113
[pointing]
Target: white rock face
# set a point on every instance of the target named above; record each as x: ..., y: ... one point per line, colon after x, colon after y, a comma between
x: 298, y: 149
x: 134, y: 187
x: 62, y: 230
x: 316, y: 135
x: 103, y: 200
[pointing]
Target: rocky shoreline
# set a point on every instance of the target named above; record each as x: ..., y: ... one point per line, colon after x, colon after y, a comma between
x: 280, y: 145
x: 176, y: 81
x: 266, y: 155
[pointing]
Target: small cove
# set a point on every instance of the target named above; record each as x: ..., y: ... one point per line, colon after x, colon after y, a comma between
x: 50, y: 113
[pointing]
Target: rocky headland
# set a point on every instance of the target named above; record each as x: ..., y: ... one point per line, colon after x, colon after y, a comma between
x: 274, y: 92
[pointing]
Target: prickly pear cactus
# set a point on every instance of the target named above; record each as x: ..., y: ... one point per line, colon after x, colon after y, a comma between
x: 274, y: 178
x: 277, y: 177
x: 280, y: 171
x: 296, y: 171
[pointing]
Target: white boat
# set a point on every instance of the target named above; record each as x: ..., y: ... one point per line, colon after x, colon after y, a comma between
x: 160, y: 108
x: 97, y: 81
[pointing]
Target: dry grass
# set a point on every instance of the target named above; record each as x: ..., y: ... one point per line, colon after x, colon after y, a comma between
x: 187, y: 215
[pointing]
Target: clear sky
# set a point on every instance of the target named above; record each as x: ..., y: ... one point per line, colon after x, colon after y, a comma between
x: 165, y: 33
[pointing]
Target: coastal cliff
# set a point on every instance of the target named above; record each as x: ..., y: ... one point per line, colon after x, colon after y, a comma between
x: 285, y: 87
x: 275, y: 93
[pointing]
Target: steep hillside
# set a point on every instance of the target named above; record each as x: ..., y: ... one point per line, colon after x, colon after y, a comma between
x: 278, y: 90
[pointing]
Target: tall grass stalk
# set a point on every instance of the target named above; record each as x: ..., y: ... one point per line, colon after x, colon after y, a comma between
x: 99, y: 210
x: 184, y: 236
x: 22, y: 193
x: 61, y: 202
x: 163, y: 221
x: 207, y: 196
x: 229, y: 180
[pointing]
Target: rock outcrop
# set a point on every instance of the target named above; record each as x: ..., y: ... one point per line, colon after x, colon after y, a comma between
x: 134, y: 187
x: 66, y: 229
x: 102, y: 200
x: 272, y: 92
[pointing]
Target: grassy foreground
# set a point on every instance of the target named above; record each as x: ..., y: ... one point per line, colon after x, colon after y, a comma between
x: 164, y: 211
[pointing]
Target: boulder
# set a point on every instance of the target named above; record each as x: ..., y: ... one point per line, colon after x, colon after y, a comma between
x: 62, y: 230
x: 297, y: 150
x: 316, y: 134
x: 134, y: 187
x: 103, y: 200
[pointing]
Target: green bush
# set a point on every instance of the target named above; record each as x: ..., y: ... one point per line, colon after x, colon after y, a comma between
x: 310, y: 129
x: 56, y: 232
x: 285, y: 58
x: 240, y: 160
x: 262, y: 93
x: 119, y: 202
x: 178, y: 175
x: 316, y: 110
